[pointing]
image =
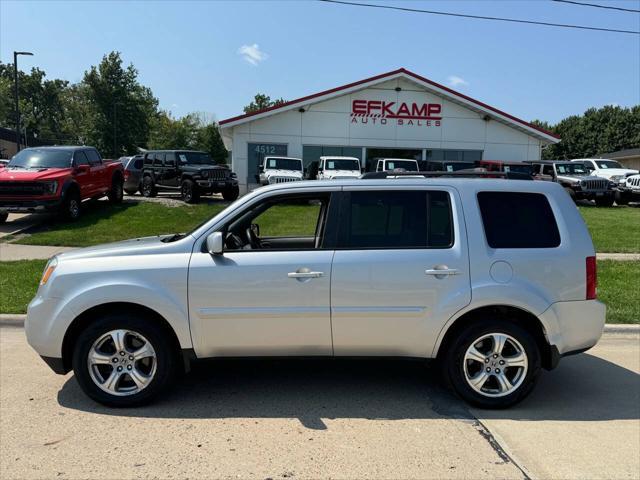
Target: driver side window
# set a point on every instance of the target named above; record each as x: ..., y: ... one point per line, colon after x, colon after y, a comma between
x: 292, y: 222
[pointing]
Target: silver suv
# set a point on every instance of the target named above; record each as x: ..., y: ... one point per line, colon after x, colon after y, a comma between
x: 496, y: 279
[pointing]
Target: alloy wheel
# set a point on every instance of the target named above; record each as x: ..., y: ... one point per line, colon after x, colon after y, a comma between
x: 495, y: 365
x: 122, y: 362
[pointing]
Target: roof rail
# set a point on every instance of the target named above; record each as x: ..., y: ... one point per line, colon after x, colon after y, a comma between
x: 458, y: 174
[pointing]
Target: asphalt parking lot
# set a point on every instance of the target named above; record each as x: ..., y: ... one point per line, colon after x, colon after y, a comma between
x: 323, y: 419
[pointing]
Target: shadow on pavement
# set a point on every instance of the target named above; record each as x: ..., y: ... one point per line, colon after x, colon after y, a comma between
x: 583, y: 388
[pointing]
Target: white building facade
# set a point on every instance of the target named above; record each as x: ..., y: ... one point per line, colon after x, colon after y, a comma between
x: 398, y: 114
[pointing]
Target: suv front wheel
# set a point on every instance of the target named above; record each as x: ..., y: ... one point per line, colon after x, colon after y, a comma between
x: 123, y: 361
x: 493, y: 364
x: 231, y: 193
x: 148, y: 187
x: 189, y: 191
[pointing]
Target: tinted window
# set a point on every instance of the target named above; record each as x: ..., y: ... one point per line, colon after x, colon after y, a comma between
x: 93, y: 156
x: 547, y: 170
x: 148, y: 159
x: 518, y: 220
x: 158, y: 159
x: 137, y: 164
x: 79, y: 158
x: 396, y: 219
x: 170, y: 159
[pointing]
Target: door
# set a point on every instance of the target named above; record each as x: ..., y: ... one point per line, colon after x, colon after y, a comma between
x: 99, y: 173
x: 171, y: 177
x: 268, y: 293
x: 83, y: 178
x: 400, y: 270
x: 158, y: 169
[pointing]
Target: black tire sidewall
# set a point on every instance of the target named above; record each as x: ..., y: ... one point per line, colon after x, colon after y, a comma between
x: 454, y: 367
x: 117, y: 191
x: 4, y: 216
x: 67, y: 213
x: 193, y: 189
x: 150, y: 190
x: 231, y: 194
x: 165, y: 356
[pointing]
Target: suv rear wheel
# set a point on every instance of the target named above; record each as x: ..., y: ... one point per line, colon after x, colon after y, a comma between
x: 148, y: 187
x: 189, y: 191
x: 124, y: 361
x: 231, y: 193
x: 492, y: 364
x: 623, y: 198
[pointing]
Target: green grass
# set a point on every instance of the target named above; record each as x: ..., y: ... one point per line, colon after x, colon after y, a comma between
x: 615, y: 229
x: 619, y: 289
x: 103, y: 223
x: 18, y: 284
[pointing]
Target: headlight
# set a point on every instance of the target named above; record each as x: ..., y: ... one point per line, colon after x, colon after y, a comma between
x: 48, y: 270
x: 234, y: 175
x: 50, y: 187
x: 204, y: 173
x: 616, y: 178
x: 583, y: 183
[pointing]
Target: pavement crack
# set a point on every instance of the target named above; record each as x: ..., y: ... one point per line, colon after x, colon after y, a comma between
x: 495, y: 445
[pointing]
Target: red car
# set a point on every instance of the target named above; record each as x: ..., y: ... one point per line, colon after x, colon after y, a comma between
x: 57, y: 179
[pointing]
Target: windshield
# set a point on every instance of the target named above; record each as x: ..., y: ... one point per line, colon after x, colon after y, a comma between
x: 573, y: 168
x: 342, y: 164
x: 518, y: 168
x: 284, y: 163
x: 195, y: 158
x: 407, y: 165
x: 41, y: 158
x: 608, y: 164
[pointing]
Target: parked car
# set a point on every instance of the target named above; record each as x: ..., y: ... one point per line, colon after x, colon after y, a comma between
x: 611, y: 170
x: 58, y: 179
x: 632, y: 187
x: 338, y: 168
x: 189, y: 172
x: 132, y: 173
x: 506, y: 166
x: 576, y: 180
x: 3, y: 162
x: 494, y: 278
x: 446, y: 166
x: 280, y: 169
x: 396, y: 164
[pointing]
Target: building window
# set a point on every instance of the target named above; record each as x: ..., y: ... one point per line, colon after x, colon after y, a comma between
x: 312, y: 153
x: 454, y: 155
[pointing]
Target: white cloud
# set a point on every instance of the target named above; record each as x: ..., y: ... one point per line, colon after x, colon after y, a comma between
x: 252, y: 54
x: 456, y: 81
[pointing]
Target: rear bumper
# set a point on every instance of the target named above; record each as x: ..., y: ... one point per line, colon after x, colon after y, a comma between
x: 25, y: 205
x: 574, y: 326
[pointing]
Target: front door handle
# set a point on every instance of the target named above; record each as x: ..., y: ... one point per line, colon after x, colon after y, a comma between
x: 442, y: 271
x: 302, y: 274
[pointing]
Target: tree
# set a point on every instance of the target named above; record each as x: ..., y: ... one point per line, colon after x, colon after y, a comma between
x: 597, y: 131
x: 262, y: 101
x: 122, y: 107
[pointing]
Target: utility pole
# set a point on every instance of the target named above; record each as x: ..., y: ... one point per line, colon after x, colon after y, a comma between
x: 15, y: 82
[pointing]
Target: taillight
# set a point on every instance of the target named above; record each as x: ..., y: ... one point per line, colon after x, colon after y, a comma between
x: 592, y: 278
x: 126, y: 174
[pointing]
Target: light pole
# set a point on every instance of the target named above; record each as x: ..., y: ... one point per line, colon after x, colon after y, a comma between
x: 15, y: 81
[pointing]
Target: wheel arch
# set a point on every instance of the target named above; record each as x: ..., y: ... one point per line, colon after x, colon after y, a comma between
x: 83, y: 320
x: 70, y: 186
x: 518, y: 315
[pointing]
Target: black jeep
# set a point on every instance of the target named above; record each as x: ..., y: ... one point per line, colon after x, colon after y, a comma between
x: 193, y: 173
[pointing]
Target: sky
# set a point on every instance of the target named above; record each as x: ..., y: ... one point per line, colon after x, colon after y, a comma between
x: 214, y: 56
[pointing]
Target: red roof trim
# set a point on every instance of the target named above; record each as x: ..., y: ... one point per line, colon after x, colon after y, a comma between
x: 379, y: 77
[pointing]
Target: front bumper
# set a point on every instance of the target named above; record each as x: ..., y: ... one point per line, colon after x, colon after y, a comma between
x: 216, y: 185
x: 26, y: 205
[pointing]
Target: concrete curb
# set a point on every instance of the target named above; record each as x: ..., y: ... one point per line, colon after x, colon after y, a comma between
x: 17, y: 320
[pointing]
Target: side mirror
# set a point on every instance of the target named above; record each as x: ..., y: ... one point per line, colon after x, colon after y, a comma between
x: 215, y: 243
x: 82, y: 168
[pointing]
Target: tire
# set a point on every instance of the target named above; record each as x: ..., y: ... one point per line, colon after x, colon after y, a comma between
x: 189, y: 191
x: 623, y: 198
x: 116, y: 193
x: 148, y: 187
x: 71, y: 208
x: 3, y: 217
x: 605, y: 201
x: 230, y: 194
x: 571, y: 193
x: 459, y: 369
x: 155, y: 372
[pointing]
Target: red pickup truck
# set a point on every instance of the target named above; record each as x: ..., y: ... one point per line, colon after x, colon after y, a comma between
x: 57, y: 179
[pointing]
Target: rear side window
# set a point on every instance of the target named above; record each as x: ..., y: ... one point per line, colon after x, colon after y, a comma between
x: 158, y: 159
x: 396, y: 219
x: 518, y: 220
x: 137, y: 164
x: 93, y: 156
x: 148, y: 159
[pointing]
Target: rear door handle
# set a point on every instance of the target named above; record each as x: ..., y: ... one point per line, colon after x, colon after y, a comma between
x: 305, y: 274
x: 442, y: 271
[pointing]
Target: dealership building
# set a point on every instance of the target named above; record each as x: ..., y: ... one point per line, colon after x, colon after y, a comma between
x: 398, y: 114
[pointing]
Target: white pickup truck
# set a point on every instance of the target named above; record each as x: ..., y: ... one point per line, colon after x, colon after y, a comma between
x: 612, y: 171
x: 336, y: 168
x: 280, y: 170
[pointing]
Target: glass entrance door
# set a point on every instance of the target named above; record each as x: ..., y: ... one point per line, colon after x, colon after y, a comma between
x: 375, y: 153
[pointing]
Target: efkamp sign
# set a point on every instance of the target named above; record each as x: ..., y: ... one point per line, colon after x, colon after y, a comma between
x: 382, y: 113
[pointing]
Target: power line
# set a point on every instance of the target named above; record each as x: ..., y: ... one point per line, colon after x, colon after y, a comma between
x: 480, y: 17
x: 597, y: 6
